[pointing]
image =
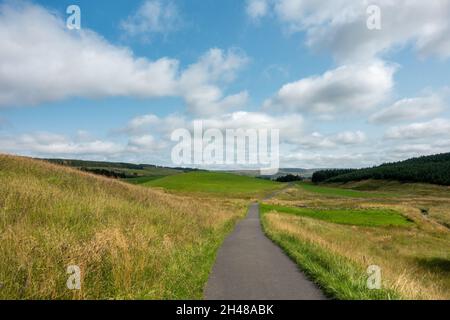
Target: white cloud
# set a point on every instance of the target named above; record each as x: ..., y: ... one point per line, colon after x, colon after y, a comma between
x: 145, y: 139
x: 152, y: 17
x: 199, y: 83
x: 145, y: 143
x: 316, y: 140
x: 410, y: 109
x: 340, y: 26
x: 350, y: 137
x: 42, y: 61
x: 348, y: 88
x: 83, y: 145
x: 290, y: 126
x: 154, y: 124
x: 421, y: 130
x: 56, y: 145
x: 325, y: 160
x: 257, y: 8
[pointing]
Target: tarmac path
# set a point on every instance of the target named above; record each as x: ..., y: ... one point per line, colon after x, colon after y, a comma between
x: 249, y: 266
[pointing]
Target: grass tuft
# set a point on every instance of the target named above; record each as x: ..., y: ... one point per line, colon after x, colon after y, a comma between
x: 130, y: 242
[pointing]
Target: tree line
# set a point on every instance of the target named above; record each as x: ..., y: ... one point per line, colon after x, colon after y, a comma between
x: 433, y: 169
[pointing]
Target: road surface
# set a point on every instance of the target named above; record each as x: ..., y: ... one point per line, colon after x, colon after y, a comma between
x: 249, y: 266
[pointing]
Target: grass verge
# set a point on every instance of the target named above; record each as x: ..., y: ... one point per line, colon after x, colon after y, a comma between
x: 129, y: 242
x: 337, y: 276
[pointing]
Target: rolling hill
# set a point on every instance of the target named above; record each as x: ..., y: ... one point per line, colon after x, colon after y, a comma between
x: 216, y: 183
x: 129, y: 172
x: 433, y: 169
x: 129, y: 242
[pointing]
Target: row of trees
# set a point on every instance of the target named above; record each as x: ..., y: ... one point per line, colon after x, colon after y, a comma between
x: 324, y: 175
x: 109, y: 173
x: 428, y: 169
x: 289, y: 178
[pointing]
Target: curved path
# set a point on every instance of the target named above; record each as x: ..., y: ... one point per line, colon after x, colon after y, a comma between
x: 249, y: 266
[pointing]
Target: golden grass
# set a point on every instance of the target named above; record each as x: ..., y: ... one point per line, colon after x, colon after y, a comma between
x: 130, y: 242
x: 415, y: 261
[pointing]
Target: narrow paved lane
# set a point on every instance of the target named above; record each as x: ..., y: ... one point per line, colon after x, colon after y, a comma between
x: 251, y: 267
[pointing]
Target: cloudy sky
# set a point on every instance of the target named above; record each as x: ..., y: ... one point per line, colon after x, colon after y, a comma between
x: 341, y: 94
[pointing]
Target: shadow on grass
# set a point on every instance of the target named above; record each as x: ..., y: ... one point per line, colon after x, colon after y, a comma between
x: 439, y: 265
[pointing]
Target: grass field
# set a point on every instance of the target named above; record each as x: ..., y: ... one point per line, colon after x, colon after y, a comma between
x: 414, y: 257
x: 217, y: 184
x: 158, y: 239
x: 366, y: 217
x: 142, y: 180
x: 130, y: 242
x: 340, y: 192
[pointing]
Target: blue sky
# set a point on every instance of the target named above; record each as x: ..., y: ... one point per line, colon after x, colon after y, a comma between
x: 342, y: 95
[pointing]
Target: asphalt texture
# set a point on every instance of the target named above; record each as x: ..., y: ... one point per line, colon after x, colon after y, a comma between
x: 249, y: 266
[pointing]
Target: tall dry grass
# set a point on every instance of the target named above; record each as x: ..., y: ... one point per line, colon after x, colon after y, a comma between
x: 130, y: 242
x: 415, y: 261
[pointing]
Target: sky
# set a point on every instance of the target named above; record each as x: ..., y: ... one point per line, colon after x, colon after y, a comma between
x: 343, y: 91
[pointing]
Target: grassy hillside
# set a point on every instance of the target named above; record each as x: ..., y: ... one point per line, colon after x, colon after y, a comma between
x: 217, y: 183
x: 429, y: 169
x: 133, y: 173
x: 130, y: 242
x: 334, y: 237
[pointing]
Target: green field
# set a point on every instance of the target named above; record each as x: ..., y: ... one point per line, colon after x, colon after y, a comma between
x: 142, y: 180
x: 367, y: 217
x: 216, y: 183
x: 340, y: 192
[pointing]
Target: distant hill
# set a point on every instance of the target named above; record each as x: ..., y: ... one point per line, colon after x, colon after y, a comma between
x: 433, y: 169
x: 305, y: 173
x: 135, y: 173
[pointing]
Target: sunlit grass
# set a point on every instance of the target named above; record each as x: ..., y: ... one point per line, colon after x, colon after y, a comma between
x: 216, y: 183
x: 414, y: 258
x: 340, y: 192
x: 130, y: 242
x: 356, y: 217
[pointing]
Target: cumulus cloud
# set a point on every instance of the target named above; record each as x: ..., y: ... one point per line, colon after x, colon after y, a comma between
x: 436, y: 127
x: 145, y: 138
x: 257, y: 8
x: 151, y: 123
x: 42, y: 61
x: 50, y: 144
x: 45, y: 144
x: 410, y: 109
x: 325, y: 160
x: 340, y: 26
x: 152, y: 17
x: 316, y: 140
x: 348, y: 88
x: 350, y: 137
x: 145, y: 143
x: 291, y: 126
x: 200, y: 82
